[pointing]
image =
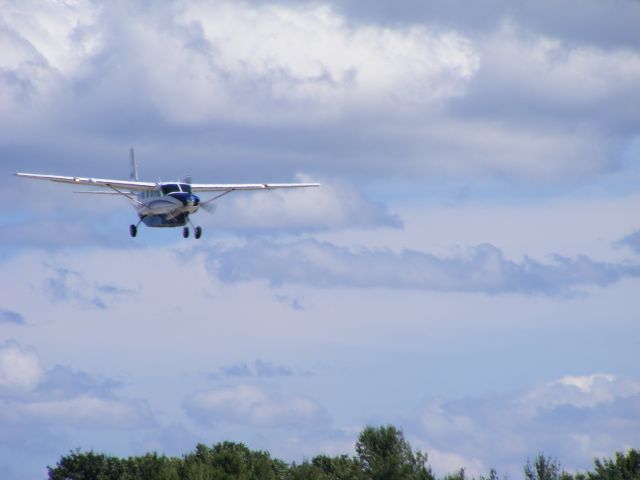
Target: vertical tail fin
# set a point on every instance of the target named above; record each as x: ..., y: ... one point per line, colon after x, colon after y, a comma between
x: 134, y: 166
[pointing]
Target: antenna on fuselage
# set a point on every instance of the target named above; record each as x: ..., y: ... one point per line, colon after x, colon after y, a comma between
x: 134, y: 166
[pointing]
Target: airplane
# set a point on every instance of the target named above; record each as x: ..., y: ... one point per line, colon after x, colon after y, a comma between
x: 163, y: 204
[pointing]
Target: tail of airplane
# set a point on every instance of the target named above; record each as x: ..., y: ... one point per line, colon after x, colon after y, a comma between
x: 134, y: 166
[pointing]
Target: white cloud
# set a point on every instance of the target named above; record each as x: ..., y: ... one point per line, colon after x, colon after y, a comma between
x: 44, y: 45
x: 254, y: 405
x: 334, y: 205
x: 203, y: 61
x: 556, y: 75
x: 580, y: 392
x: 307, y: 59
x: 20, y: 370
x: 82, y: 411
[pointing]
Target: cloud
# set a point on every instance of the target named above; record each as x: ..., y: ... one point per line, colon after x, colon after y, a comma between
x: 197, y: 57
x: 258, y: 369
x: 481, y: 269
x: 61, y: 381
x: 47, y: 46
x: 9, y: 316
x: 20, y: 369
x: 335, y: 204
x: 264, y: 88
x: 632, y: 241
x: 32, y: 397
x: 575, y: 21
x: 68, y: 285
x: 312, y: 56
x: 575, y: 418
x: 255, y: 406
x: 174, y: 439
x: 83, y: 411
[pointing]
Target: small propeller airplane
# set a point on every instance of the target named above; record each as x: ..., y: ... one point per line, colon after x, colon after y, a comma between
x: 163, y: 204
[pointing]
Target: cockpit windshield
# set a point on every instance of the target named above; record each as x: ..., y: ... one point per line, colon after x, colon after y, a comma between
x: 175, y: 187
x: 170, y: 188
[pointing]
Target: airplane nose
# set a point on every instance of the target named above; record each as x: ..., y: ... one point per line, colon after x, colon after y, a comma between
x: 195, y: 200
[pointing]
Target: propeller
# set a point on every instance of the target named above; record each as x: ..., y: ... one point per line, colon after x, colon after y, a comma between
x: 209, y: 206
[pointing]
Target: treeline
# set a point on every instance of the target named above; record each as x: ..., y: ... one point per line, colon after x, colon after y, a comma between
x: 382, y: 453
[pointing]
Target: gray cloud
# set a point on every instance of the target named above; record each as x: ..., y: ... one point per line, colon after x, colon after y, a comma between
x: 62, y: 381
x: 632, y: 241
x: 9, y: 316
x: 577, y: 21
x: 66, y: 285
x: 481, y: 269
x: 257, y: 369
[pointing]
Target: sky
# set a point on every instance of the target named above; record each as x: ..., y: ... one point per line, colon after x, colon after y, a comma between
x: 468, y: 271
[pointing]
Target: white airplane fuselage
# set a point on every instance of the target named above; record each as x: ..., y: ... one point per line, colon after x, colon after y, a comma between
x: 168, y: 206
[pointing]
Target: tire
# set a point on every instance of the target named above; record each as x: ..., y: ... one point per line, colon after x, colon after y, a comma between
x: 198, y: 232
x: 133, y: 230
x: 185, y: 232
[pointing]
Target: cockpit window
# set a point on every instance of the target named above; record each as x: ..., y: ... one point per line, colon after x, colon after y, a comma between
x: 169, y: 188
x: 185, y: 187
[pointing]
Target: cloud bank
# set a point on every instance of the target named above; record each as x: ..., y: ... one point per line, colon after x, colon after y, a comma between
x: 240, y: 86
x: 482, y: 269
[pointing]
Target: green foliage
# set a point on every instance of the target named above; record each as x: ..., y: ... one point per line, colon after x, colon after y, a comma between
x: 382, y: 453
x: 625, y: 466
x: 544, y: 468
x: 385, y: 455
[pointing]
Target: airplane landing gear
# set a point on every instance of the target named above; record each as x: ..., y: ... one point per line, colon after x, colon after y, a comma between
x: 197, y: 231
x: 133, y: 230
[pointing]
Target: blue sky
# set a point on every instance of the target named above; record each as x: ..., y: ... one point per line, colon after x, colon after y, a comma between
x: 468, y: 271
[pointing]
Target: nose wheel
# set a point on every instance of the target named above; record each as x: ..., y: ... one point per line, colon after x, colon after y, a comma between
x: 185, y: 232
x: 197, y: 232
x: 133, y: 230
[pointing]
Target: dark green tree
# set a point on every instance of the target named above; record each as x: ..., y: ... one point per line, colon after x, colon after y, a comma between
x: 625, y: 466
x: 384, y: 454
x: 87, y: 466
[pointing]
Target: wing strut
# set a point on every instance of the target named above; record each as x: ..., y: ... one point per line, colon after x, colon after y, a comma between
x: 218, y: 196
x: 130, y: 197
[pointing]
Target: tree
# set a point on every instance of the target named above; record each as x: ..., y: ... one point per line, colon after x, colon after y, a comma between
x: 545, y: 468
x: 384, y: 454
x: 626, y: 466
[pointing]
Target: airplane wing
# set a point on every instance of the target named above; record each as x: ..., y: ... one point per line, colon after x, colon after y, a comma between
x: 94, y: 182
x: 136, y: 185
x: 229, y: 187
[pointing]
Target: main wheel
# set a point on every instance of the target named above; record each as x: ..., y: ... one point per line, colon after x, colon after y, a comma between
x: 133, y: 230
x: 198, y: 232
x: 185, y: 232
